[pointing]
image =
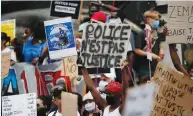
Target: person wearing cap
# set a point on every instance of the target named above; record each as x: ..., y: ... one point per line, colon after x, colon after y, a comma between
x: 11, y: 78
x: 114, y: 103
x: 56, y: 94
x: 90, y: 107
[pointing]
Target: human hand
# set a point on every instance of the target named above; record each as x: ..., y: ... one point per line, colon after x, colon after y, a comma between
x: 156, y: 57
x: 161, y: 54
x: 35, y: 60
x: 124, y: 64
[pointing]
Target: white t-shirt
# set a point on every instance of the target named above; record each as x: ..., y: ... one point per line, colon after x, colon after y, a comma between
x: 59, y: 114
x: 114, y: 113
x: 13, y: 56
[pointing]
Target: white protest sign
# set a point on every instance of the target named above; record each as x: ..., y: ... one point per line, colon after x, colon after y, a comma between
x: 180, y: 22
x: 19, y: 105
x: 139, y: 100
x: 60, y: 36
x: 105, y: 45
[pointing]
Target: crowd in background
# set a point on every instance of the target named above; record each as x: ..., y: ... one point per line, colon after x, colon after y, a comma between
x: 108, y: 98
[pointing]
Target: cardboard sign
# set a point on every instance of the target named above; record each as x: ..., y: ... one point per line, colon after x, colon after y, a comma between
x: 69, y: 104
x: 8, y: 27
x: 180, y: 22
x: 173, y: 94
x: 19, y: 105
x: 65, y: 8
x: 105, y: 45
x: 5, y: 64
x: 60, y: 36
x: 139, y: 100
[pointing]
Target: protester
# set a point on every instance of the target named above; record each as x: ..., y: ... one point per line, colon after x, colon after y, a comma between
x: 56, y: 94
x: 114, y: 103
x: 33, y: 50
x: 43, y: 105
x: 11, y: 78
x: 145, y: 45
x: 90, y: 107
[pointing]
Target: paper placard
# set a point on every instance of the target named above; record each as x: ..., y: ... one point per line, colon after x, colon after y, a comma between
x: 8, y: 27
x: 69, y: 104
x: 180, y: 22
x: 139, y: 100
x: 61, y: 41
x: 5, y: 64
x: 19, y: 105
x: 105, y: 45
x: 173, y: 94
x: 65, y: 8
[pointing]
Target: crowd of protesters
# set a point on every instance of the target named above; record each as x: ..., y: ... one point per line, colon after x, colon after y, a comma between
x: 107, y: 99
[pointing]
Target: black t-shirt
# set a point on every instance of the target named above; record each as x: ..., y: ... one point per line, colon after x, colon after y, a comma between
x: 140, y: 43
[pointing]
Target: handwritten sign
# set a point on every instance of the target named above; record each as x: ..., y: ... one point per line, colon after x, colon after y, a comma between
x: 174, y: 93
x: 5, y: 64
x: 69, y: 104
x: 19, y: 105
x: 65, y: 8
x: 141, y: 98
x: 180, y: 22
x: 8, y: 27
x: 105, y: 45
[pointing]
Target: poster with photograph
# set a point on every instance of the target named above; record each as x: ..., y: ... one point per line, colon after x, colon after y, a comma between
x: 60, y: 37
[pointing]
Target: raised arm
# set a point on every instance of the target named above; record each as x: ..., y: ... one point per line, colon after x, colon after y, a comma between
x: 96, y: 95
x: 176, y: 60
x: 125, y: 84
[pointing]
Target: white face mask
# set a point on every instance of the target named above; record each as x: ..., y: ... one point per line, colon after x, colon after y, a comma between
x: 90, y: 106
x: 102, y: 85
x: 103, y: 95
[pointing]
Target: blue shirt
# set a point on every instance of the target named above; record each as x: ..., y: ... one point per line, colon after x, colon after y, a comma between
x: 32, y: 51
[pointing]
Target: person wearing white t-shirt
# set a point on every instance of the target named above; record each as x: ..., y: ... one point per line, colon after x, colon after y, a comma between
x: 56, y: 94
x: 11, y: 78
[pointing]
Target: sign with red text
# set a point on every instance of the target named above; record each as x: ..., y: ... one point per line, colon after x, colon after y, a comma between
x: 105, y: 45
x: 174, y: 93
x: 180, y: 22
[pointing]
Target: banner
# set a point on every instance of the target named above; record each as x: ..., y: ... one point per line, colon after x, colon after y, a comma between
x: 65, y: 9
x: 5, y: 64
x: 180, y: 22
x: 69, y: 104
x: 105, y: 45
x: 8, y: 27
x: 60, y: 36
x: 140, y: 98
x: 173, y: 94
x: 19, y: 105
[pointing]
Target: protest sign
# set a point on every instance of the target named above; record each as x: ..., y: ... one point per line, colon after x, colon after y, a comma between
x: 60, y: 36
x: 65, y: 8
x: 5, y: 64
x: 19, y: 105
x: 69, y: 104
x: 173, y: 94
x: 141, y: 98
x: 105, y: 45
x: 180, y: 22
x: 8, y: 27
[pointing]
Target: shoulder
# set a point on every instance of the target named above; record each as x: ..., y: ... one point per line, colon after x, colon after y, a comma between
x: 7, y: 49
x: 51, y: 114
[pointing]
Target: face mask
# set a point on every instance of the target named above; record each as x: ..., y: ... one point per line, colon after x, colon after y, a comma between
x: 103, y: 95
x: 90, y: 106
x: 156, y: 24
x: 111, y: 100
x: 102, y: 85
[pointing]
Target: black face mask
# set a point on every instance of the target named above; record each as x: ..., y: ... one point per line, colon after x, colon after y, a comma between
x: 111, y: 100
x: 41, y: 111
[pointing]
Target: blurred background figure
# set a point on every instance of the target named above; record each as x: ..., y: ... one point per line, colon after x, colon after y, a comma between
x: 43, y: 105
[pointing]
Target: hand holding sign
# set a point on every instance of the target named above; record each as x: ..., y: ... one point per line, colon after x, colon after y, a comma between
x: 5, y: 64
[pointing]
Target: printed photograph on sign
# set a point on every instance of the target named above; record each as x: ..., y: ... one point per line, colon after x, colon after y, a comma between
x: 61, y: 41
